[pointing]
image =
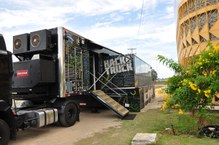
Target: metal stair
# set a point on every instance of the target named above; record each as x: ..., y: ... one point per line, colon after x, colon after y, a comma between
x: 110, y: 102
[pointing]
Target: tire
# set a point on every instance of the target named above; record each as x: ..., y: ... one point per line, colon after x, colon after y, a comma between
x: 4, y: 132
x: 69, y: 115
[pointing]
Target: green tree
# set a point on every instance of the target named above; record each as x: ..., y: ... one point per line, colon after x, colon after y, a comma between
x: 194, y: 87
x: 154, y: 75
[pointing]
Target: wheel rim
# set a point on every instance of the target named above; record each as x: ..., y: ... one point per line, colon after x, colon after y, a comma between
x: 70, y: 113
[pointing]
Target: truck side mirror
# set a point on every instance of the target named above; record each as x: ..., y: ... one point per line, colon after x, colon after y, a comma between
x: 2, y: 43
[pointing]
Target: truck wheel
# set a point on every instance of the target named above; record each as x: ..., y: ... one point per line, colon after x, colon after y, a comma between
x: 4, y: 132
x: 69, y: 116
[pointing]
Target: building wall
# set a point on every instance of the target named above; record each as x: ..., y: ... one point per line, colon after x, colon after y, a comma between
x: 197, y: 23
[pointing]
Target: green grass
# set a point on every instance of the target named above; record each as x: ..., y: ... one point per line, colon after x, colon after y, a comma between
x: 160, y: 84
x: 185, y: 140
x: 154, y: 121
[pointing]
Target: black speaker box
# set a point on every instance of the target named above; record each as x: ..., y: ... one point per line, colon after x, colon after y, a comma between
x: 21, y: 43
x: 40, y: 41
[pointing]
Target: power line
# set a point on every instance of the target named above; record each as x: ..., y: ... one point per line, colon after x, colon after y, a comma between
x: 142, y: 7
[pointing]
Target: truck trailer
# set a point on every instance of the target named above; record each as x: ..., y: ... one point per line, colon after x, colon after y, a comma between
x: 57, y: 72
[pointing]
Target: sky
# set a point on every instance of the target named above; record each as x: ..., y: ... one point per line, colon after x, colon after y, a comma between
x: 147, y: 25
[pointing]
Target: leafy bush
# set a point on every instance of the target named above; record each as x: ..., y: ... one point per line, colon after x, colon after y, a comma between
x: 194, y: 87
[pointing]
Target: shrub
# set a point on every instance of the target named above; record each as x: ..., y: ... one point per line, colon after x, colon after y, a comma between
x: 193, y: 88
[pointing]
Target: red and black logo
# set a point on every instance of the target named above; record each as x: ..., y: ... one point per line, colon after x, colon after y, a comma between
x: 22, y: 73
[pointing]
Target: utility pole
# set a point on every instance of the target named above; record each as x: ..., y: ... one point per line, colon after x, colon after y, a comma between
x: 132, y: 50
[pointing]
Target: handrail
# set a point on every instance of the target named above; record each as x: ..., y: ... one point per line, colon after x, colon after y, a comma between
x: 96, y: 80
x: 107, y: 86
x: 99, y: 76
x: 109, y: 81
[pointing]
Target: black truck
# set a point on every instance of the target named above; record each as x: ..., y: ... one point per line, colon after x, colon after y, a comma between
x: 29, y: 88
x: 57, y: 72
x: 47, y: 84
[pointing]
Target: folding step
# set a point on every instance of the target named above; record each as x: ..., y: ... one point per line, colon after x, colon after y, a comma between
x: 110, y: 102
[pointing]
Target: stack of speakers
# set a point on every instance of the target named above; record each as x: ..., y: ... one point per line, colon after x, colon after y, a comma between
x: 33, y: 43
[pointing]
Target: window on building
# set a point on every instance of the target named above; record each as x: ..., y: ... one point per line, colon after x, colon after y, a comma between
x: 213, y: 37
x: 182, y: 30
x: 200, y: 4
x: 212, y: 18
x: 183, y: 45
x: 194, y: 42
x: 210, y: 2
x: 202, y: 20
x: 202, y: 39
x: 186, y: 27
x: 188, y: 44
x: 192, y: 24
x: 191, y: 6
x: 185, y: 11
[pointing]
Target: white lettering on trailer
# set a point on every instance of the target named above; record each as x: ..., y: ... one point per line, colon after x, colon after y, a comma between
x: 112, y: 70
x: 118, y: 65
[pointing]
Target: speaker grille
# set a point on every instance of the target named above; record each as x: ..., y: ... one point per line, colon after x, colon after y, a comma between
x: 40, y: 41
x: 21, y: 44
x: 17, y: 44
x: 35, y: 40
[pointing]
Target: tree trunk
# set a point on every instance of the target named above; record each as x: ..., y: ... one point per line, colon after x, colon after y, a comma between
x: 202, y: 121
x: 192, y: 112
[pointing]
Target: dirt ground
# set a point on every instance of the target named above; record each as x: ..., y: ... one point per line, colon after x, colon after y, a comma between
x: 155, y: 103
x: 90, y: 123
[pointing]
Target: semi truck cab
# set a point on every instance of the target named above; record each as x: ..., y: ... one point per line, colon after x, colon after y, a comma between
x: 7, y: 119
x: 33, y: 82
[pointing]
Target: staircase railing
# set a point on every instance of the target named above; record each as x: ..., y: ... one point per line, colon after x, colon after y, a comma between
x: 107, y: 86
x: 109, y: 81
